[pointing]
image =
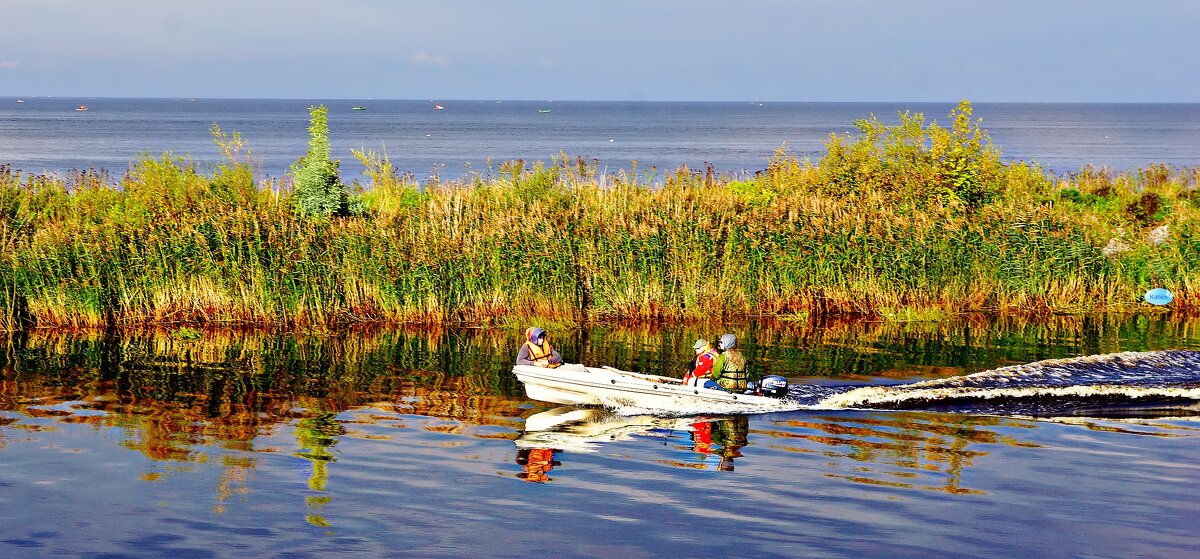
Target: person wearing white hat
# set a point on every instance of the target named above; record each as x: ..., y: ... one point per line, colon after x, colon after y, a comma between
x: 701, y: 367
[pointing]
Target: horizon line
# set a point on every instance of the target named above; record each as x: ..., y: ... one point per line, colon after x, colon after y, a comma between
x: 528, y: 100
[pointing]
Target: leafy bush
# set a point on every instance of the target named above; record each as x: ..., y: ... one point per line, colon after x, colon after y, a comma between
x: 915, y: 163
x: 318, y: 189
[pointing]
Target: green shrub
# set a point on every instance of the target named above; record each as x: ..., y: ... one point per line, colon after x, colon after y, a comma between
x: 318, y: 190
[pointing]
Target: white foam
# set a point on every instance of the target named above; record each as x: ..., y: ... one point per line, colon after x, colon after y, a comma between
x: 868, y: 397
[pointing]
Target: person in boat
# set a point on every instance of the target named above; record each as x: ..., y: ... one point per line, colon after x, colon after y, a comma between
x: 537, y: 351
x: 729, y: 367
x: 701, y: 366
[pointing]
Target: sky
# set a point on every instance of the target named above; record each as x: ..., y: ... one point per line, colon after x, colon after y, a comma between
x: 647, y: 50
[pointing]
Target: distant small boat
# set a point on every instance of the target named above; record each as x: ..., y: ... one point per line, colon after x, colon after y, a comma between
x: 81, y: 108
x: 360, y: 108
x: 438, y: 107
x: 20, y: 100
x: 544, y: 110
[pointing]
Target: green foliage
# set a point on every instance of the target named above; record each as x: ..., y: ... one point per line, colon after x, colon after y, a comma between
x: 1191, y: 197
x: 318, y: 190
x: 754, y: 192
x: 915, y: 163
x: 187, y: 334
x: 906, y: 222
x: 390, y: 194
x: 1074, y: 196
x: 233, y: 178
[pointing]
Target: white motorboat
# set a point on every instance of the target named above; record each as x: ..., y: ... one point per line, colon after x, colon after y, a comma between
x: 605, y: 386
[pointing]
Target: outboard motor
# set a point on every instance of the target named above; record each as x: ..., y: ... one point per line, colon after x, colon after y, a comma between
x: 773, y: 386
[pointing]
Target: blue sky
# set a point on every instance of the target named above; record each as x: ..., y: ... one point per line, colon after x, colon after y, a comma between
x: 758, y: 50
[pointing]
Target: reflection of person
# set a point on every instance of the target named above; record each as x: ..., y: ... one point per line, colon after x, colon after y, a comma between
x: 537, y: 463
x: 702, y: 437
x: 537, y: 351
x: 701, y: 366
x: 722, y: 438
x: 729, y: 368
x: 731, y: 435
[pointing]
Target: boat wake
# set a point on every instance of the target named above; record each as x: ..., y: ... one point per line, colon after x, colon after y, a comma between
x: 1135, y: 385
x: 1146, y: 384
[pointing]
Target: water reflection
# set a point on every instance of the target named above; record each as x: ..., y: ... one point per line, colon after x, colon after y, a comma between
x: 536, y: 463
x: 905, y: 450
x: 316, y: 435
x: 714, y: 441
x: 909, y: 450
x: 374, y: 441
x: 173, y: 398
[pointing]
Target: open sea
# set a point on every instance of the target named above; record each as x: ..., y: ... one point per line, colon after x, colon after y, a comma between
x: 42, y: 135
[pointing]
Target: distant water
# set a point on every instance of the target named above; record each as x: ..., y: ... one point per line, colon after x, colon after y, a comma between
x: 50, y: 135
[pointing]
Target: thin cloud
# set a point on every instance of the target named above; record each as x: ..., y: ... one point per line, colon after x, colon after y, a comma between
x: 424, y: 58
x: 8, y: 63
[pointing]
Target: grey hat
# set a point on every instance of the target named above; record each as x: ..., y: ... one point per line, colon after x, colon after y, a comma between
x: 700, y: 343
x: 728, y: 341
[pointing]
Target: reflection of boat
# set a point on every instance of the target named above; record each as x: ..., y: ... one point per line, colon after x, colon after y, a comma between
x: 359, y: 108
x: 606, y: 386
x: 580, y: 429
x: 438, y: 107
x: 81, y: 108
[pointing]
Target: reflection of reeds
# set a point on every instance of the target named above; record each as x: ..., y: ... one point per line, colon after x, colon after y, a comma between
x: 903, y: 449
x: 229, y: 386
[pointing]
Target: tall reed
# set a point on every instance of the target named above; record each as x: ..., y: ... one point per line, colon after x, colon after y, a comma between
x: 908, y: 221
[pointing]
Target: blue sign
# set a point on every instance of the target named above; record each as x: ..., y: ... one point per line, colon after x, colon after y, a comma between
x: 1159, y: 296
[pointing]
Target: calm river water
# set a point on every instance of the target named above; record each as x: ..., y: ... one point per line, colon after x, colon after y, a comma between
x: 392, y: 443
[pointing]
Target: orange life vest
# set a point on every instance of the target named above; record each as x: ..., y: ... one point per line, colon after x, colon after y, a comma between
x: 539, y: 353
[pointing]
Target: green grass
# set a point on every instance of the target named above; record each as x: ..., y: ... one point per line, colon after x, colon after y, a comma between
x: 907, y: 222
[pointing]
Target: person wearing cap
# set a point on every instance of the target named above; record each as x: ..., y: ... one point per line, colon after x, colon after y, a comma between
x: 701, y: 367
x: 537, y: 351
x: 729, y: 368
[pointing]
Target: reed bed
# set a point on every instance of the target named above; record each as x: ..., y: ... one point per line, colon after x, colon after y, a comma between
x: 912, y: 221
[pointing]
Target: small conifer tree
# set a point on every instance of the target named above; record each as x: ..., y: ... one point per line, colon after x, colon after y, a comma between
x: 318, y: 188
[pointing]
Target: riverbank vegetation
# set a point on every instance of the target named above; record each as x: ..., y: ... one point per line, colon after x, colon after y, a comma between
x: 913, y: 220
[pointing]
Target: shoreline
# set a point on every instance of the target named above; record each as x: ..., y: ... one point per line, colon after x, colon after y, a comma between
x: 907, y: 222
